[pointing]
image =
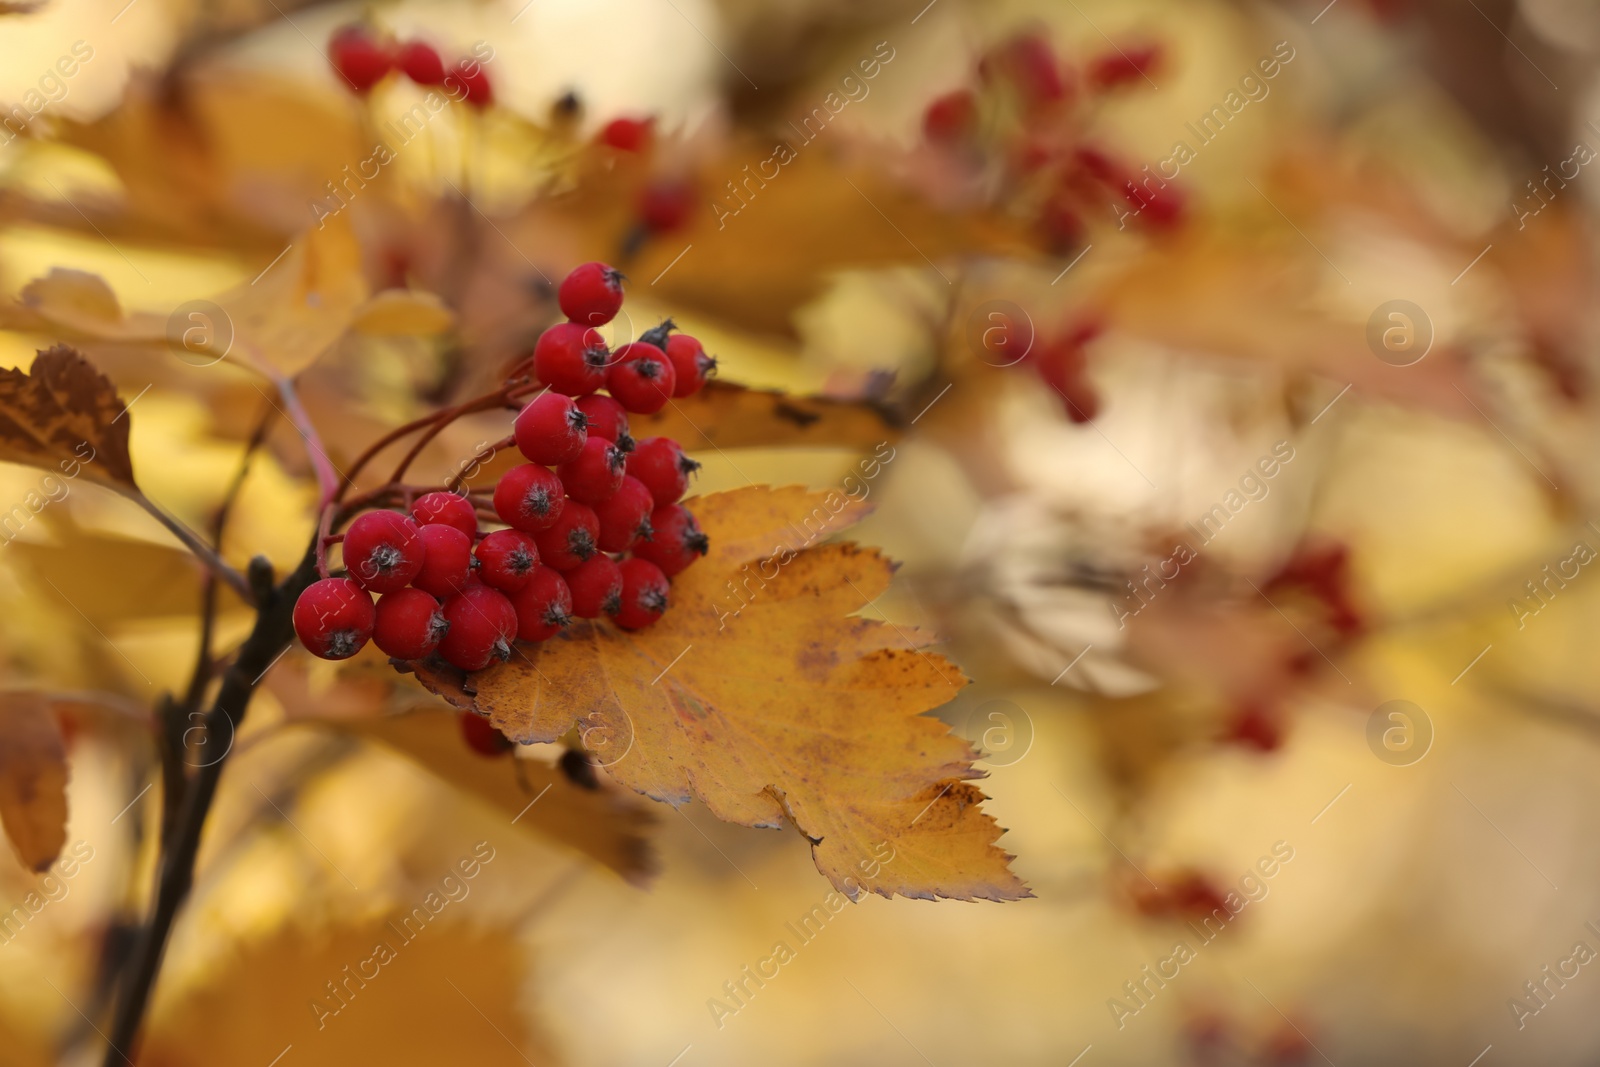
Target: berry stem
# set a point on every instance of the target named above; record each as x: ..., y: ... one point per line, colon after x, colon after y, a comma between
x: 193, y: 542
x: 327, y: 475
x: 483, y: 456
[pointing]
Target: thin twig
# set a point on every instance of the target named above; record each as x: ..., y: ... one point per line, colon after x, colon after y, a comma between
x: 193, y: 543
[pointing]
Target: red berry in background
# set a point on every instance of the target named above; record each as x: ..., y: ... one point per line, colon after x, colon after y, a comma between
x: 690, y: 364
x: 596, y: 586
x: 483, y: 738
x: 607, y: 420
x: 1161, y: 207
x: 571, y: 359
x: 544, y: 605
x: 419, y: 61
x: 550, y: 429
x: 675, y: 540
x: 595, y: 473
x: 409, y: 624
x: 641, y: 379
x: 951, y: 118
x: 383, y: 551
x: 1255, y: 726
x: 644, y: 594
x: 591, y: 294
x: 1061, y: 224
x: 506, y: 560
x: 1029, y: 65
x: 571, y: 539
x: 447, y: 563
x: 529, y: 498
x: 1123, y: 66
x: 334, y: 618
x: 660, y: 464
x: 628, y: 135
x: 665, y: 204
x: 446, y: 509
x: 474, y: 81
x: 482, y: 626
x: 359, y: 57
x: 625, y: 518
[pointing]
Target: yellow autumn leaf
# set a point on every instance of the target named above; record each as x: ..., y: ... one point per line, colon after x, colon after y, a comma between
x: 404, y: 313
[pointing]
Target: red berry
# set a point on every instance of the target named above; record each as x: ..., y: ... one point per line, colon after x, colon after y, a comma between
x: 607, y: 419
x: 644, y: 594
x: 591, y: 294
x: 483, y: 738
x: 482, y: 626
x: 1123, y: 66
x: 666, y: 204
x: 544, y: 605
x: 447, y: 563
x: 1029, y: 63
x: 660, y: 464
x: 596, y: 472
x: 383, y: 551
x: 529, y: 498
x: 334, y: 618
x: 629, y: 135
x: 359, y: 58
x: 550, y: 429
x: 675, y: 540
x: 596, y: 586
x: 951, y: 118
x: 409, y: 624
x: 506, y: 560
x: 446, y: 509
x: 690, y: 364
x: 626, y: 516
x: 571, y: 539
x: 418, y: 61
x: 474, y: 83
x: 641, y: 378
x: 571, y: 359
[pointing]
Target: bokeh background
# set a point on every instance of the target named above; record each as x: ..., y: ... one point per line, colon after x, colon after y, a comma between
x: 1258, y: 503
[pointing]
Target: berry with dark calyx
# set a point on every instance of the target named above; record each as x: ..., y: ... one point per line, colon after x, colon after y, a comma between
x: 595, y: 474
x: 550, y: 429
x: 628, y: 135
x: 596, y: 586
x: 675, y: 540
x: 951, y: 118
x: 657, y: 335
x: 383, y: 551
x: 544, y: 605
x: 690, y: 364
x: 625, y: 518
x: 591, y: 294
x: 483, y: 738
x: 447, y: 564
x: 446, y: 509
x: 361, y: 59
x: 642, y: 378
x: 660, y: 464
x: 571, y: 359
x: 419, y: 61
x: 644, y: 594
x: 409, y: 624
x: 529, y: 498
x: 506, y: 559
x: 334, y: 618
x: 482, y: 626
x: 571, y: 539
x: 607, y: 419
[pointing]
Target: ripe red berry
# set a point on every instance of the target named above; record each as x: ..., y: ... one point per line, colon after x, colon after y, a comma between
x: 550, y: 429
x: 571, y: 359
x: 473, y: 82
x: 482, y: 626
x: 596, y: 472
x: 629, y: 135
x: 383, y: 551
x: 447, y: 562
x: 641, y: 378
x: 607, y: 419
x: 675, y: 540
x: 333, y: 618
x: 625, y: 518
x: 529, y: 498
x: 596, y: 586
x: 446, y: 509
x: 419, y: 61
x: 951, y: 118
x: 506, y: 560
x: 409, y: 624
x: 483, y: 738
x: 544, y: 605
x: 571, y: 539
x: 591, y: 294
x: 359, y: 57
x: 690, y: 364
x: 660, y: 464
x: 644, y: 594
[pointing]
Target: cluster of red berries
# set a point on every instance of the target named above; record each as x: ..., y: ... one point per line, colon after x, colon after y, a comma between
x: 364, y: 59
x: 446, y: 588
